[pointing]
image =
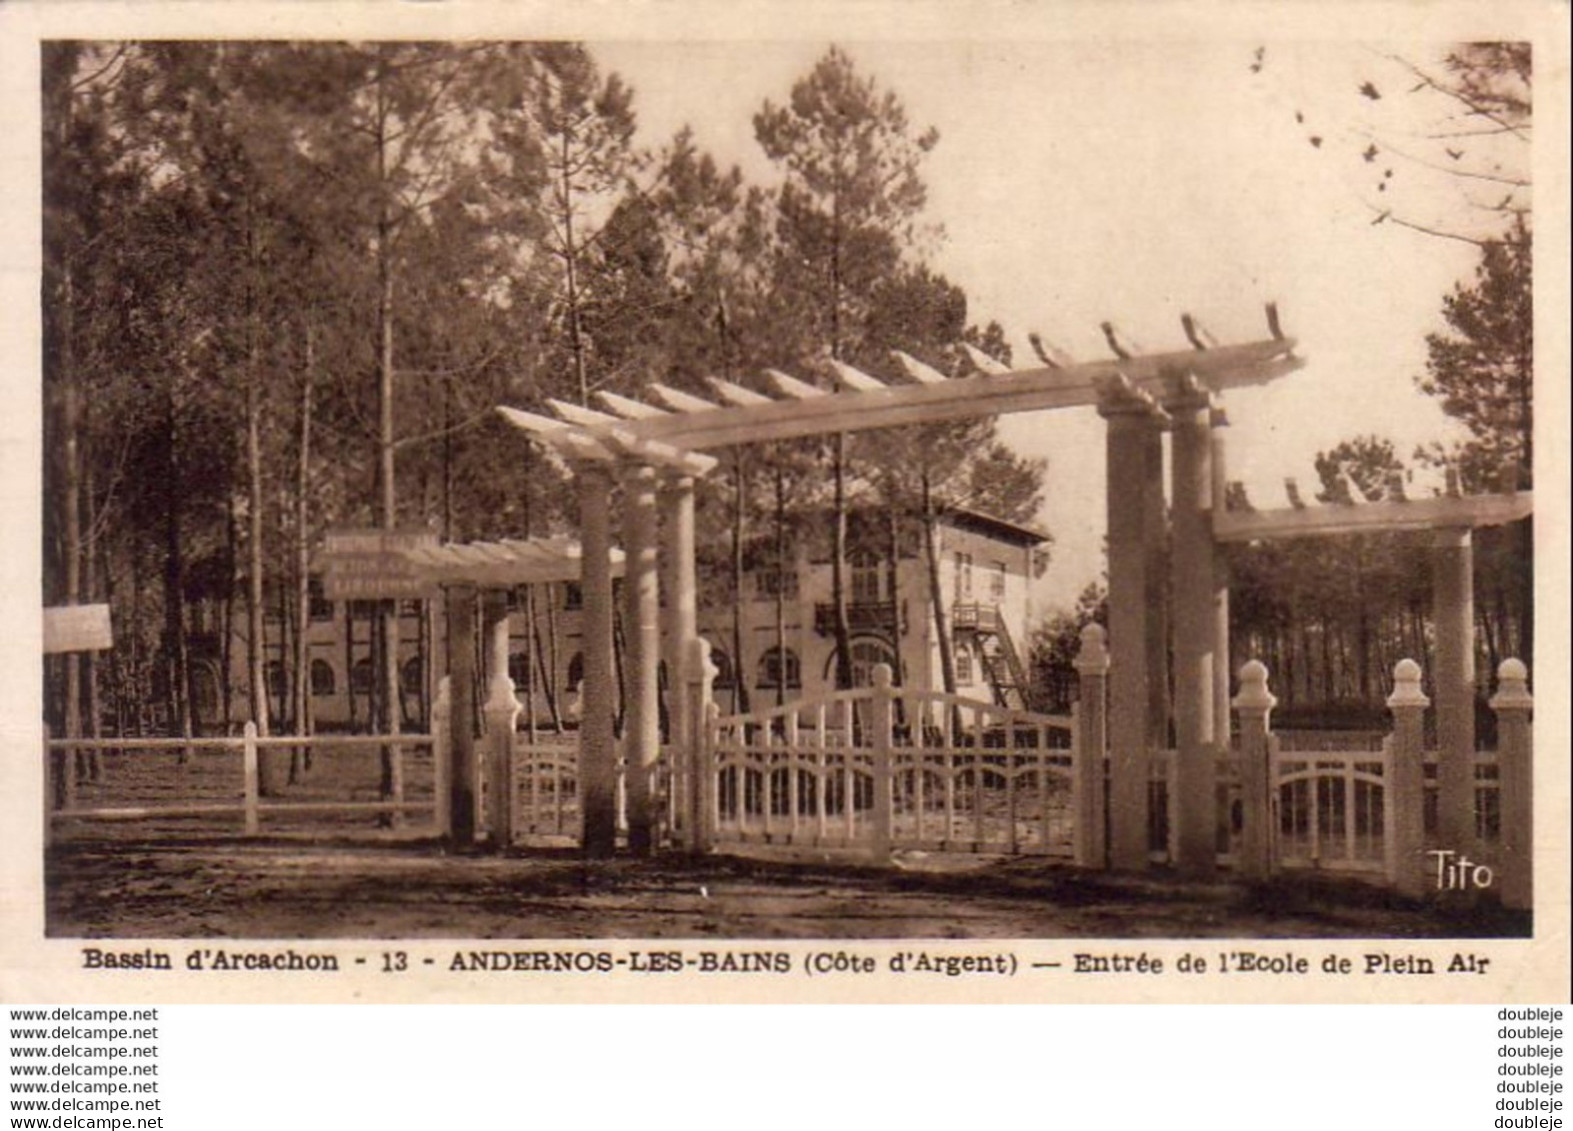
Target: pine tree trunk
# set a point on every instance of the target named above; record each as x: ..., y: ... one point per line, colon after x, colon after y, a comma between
x: 838, y: 566
x: 302, y: 682
x: 780, y: 593
x: 175, y: 655
x: 739, y: 508
x: 256, y: 634
x: 389, y: 784
x: 947, y: 659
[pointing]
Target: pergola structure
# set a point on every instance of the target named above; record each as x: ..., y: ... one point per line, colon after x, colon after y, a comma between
x: 659, y: 448
x: 476, y: 577
x: 1451, y: 519
x: 646, y: 443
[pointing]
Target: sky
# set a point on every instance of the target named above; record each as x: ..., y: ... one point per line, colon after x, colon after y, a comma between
x: 1080, y: 182
x: 1096, y: 162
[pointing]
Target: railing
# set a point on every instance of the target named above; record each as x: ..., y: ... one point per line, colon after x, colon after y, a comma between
x: 885, y: 767
x: 544, y: 791
x: 180, y: 780
x: 1330, y: 808
x: 976, y: 617
x: 887, y: 617
x: 1329, y: 802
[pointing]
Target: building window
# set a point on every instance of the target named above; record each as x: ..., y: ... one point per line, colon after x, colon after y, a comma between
x: 866, y: 574
x: 963, y: 664
x: 410, y: 676
x: 321, y: 607
x: 963, y: 577
x: 362, y: 678
x: 866, y: 652
x: 519, y: 670
x: 723, y: 668
x: 274, y: 678
x: 573, y: 596
x: 575, y: 671
x: 997, y: 583
x: 780, y: 669
x: 772, y: 583
x: 322, y: 681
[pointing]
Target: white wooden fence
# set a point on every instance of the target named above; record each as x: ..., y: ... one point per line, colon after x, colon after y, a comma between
x: 177, y: 783
x: 885, y: 767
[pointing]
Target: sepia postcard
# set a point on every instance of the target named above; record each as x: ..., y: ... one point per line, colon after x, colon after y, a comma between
x: 851, y: 502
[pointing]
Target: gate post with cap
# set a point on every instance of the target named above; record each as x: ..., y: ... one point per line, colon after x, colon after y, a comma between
x: 1515, y: 777
x: 1255, y: 704
x: 1088, y: 774
x: 1406, y: 782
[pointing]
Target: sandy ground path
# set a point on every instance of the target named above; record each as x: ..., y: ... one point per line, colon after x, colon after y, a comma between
x: 292, y: 889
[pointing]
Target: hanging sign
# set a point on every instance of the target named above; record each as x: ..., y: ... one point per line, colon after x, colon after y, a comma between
x: 374, y: 564
x: 77, y: 628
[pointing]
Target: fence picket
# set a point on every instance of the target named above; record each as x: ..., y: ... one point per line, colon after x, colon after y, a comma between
x: 249, y: 761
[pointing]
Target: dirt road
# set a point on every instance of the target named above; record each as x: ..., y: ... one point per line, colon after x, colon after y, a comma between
x: 295, y: 889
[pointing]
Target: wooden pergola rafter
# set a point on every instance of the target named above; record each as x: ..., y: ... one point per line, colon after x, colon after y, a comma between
x: 742, y: 415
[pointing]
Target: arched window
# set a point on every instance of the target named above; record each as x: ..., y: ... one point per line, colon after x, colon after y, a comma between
x: 410, y: 676
x: 778, y: 668
x: 275, y: 678
x: 866, y: 652
x: 575, y: 670
x: 519, y: 669
x: 362, y: 677
x: 964, y: 674
x: 322, y: 681
x: 723, y: 668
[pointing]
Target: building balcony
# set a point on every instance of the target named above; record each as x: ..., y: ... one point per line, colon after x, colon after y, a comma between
x: 975, y: 617
x: 863, y: 617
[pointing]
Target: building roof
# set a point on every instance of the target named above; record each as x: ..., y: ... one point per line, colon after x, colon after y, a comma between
x: 981, y: 523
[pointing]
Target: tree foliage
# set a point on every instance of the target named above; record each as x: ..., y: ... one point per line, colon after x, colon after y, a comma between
x: 286, y: 284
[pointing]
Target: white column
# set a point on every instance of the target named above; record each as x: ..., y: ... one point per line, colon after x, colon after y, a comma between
x: 679, y: 583
x: 1192, y: 584
x: 641, y: 590
x: 501, y: 711
x: 597, y: 742
x: 461, y: 716
x: 1453, y: 681
x: 1130, y: 426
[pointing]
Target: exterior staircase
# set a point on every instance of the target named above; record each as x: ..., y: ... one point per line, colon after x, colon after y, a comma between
x: 985, y: 629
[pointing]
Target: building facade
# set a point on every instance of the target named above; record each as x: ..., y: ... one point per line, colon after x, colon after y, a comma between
x: 779, y: 645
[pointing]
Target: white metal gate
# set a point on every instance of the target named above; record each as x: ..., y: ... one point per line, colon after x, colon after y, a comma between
x: 885, y: 767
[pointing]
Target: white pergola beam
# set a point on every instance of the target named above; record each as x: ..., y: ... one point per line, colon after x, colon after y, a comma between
x: 1371, y: 518
x: 736, y: 394
x: 608, y: 444
x: 578, y: 414
x: 564, y: 439
x: 919, y: 372
x: 627, y: 407
x: 789, y: 386
x: 856, y: 379
x: 986, y: 364
x: 679, y: 401
x: 1026, y: 390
